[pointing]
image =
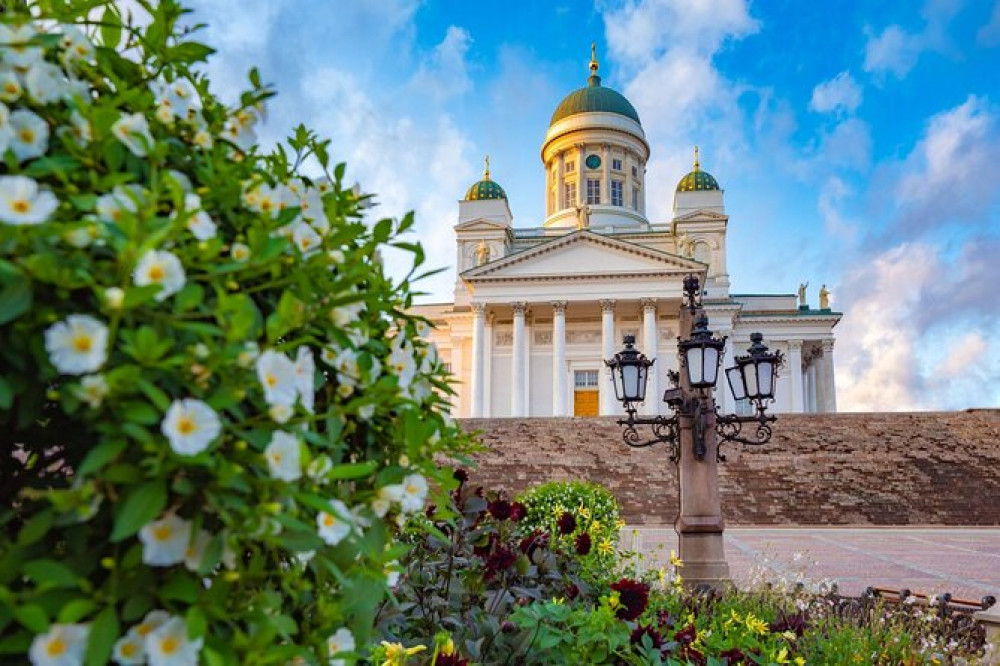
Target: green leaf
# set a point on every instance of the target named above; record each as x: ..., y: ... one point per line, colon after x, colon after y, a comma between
x: 189, y: 297
x: 15, y: 297
x: 141, y: 506
x: 111, y: 28
x: 155, y: 395
x: 51, y: 572
x: 100, y: 455
x: 32, y: 617
x: 189, y: 52
x: 36, y: 527
x: 353, y: 470
x: 140, y: 412
x: 197, y: 623
x: 6, y: 394
x: 180, y: 587
x: 103, y: 634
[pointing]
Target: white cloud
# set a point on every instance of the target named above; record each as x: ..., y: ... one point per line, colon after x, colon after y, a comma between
x: 831, y: 198
x: 989, y: 34
x: 965, y: 356
x: 896, y: 50
x: 841, y: 93
x: 445, y: 73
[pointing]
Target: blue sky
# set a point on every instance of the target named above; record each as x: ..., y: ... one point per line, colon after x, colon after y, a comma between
x: 858, y: 142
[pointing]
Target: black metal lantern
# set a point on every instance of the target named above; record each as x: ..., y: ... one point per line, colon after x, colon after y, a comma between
x: 629, y: 370
x: 756, y: 373
x: 702, y: 354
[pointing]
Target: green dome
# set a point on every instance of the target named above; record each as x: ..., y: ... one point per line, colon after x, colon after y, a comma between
x: 594, y: 97
x: 697, y: 180
x: 485, y: 189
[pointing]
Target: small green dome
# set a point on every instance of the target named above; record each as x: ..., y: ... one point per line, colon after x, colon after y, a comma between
x: 594, y: 98
x: 697, y: 180
x: 485, y: 188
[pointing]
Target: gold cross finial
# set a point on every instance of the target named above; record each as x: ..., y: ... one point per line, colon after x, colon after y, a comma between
x: 486, y: 172
x: 593, y: 57
x: 697, y: 163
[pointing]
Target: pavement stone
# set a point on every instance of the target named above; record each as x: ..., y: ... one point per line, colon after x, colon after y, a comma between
x: 931, y: 560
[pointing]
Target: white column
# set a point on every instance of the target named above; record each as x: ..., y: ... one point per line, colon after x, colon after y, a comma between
x: 581, y: 181
x: 795, y: 366
x: 561, y: 202
x: 607, y: 390
x: 829, y: 387
x: 460, y: 401
x: 651, y: 350
x: 478, y: 358
x: 605, y: 174
x: 811, y: 401
x: 488, y: 368
x: 528, y: 340
x: 559, y: 374
x: 517, y: 363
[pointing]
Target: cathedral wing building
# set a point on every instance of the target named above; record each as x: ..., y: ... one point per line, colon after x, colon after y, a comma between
x: 538, y: 309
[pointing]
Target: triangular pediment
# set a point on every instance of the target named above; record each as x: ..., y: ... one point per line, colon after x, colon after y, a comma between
x: 481, y: 224
x: 702, y: 214
x: 583, y: 253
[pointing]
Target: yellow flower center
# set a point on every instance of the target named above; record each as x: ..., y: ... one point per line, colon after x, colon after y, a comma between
x: 26, y: 135
x: 270, y: 380
x: 170, y: 644
x: 143, y: 629
x: 56, y: 647
x: 116, y: 216
x: 306, y: 243
x: 82, y: 49
x: 162, y: 533
x: 328, y: 520
x: 129, y: 649
x: 82, y: 343
x: 265, y: 205
x: 11, y: 88
x: 412, y: 489
x: 186, y: 425
x: 21, y: 206
x: 276, y: 457
x: 156, y: 273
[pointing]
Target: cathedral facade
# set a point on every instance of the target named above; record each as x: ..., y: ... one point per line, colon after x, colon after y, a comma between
x: 537, y: 309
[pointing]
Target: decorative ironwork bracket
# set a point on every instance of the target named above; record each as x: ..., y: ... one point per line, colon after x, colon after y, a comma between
x: 729, y: 426
x: 666, y: 430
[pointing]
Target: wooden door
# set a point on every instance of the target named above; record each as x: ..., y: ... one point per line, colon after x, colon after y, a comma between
x: 585, y: 402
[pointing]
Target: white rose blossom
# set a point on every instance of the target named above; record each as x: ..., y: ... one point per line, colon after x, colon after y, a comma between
x: 153, y: 619
x: 276, y: 373
x: 190, y: 425
x: 169, y: 645
x: 17, y: 51
x: 334, y: 525
x: 133, y: 131
x: 194, y: 554
x: 162, y: 268
x: 92, y: 390
x: 340, y: 642
x: 240, y: 252
x: 199, y: 223
x: 305, y: 238
x: 129, y: 650
x: 414, y: 493
x: 45, y: 83
x: 29, y: 135
x: 77, y: 345
x: 114, y: 297
x: 77, y: 47
x: 111, y: 207
x: 165, y: 541
x: 23, y: 203
x: 280, y: 413
x: 305, y: 373
x: 61, y: 645
x: 284, y: 456
x: 10, y: 85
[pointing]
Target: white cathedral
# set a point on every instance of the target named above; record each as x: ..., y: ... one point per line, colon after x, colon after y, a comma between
x: 538, y: 309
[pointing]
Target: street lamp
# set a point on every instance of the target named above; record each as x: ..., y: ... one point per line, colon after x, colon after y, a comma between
x: 696, y: 426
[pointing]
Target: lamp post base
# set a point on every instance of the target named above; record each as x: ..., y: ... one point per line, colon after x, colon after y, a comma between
x: 704, y: 557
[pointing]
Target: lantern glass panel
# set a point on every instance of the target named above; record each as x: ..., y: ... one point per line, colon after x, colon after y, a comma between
x: 630, y: 382
x: 750, y: 379
x: 695, y: 358
x: 616, y: 379
x: 711, y: 367
x: 736, y: 385
x: 643, y: 376
x: 765, y: 373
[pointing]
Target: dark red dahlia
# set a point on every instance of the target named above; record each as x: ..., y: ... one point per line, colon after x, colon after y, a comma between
x: 430, y: 510
x: 452, y: 659
x: 500, y: 560
x: 582, y: 544
x: 499, y: 509
x: 567, y: 523
x: 647, y: 630
x: 686, y: 635
x: 796, y: 622
x: 461, y: 476
x: 484, y: 550
x: 692, y: 656
x: 572, y: 591
x: 665, y: 620
x: 634, y: 597
x: 537, y: 539
x: 518, y: 511
x: 733, y: 656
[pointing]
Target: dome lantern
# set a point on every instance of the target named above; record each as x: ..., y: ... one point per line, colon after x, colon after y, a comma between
x: 486, y: 188
x: 594, y: 98
x: 697, y: 180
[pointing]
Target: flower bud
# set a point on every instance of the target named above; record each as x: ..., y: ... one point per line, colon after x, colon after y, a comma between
x: 114, y: 298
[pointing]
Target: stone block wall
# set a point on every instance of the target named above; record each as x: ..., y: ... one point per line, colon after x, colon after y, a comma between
x: 929, y: 468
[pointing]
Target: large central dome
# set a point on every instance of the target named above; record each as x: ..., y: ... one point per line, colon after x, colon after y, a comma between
x: 595, y: 98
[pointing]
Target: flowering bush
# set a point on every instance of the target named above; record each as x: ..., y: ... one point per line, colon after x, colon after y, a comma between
x: 214, y: 403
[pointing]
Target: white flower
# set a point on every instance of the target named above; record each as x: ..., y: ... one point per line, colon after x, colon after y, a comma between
x: 114, y: 297
x: 342, y: 641
x: 336, y: 256
x: 16, y: 50
x: 112, y: 207
x: 384, y: 499
x: 133, y: 131
x: 346, y: 364
x: 414, y: 493
x: 305, y: 372
x: 190, y: 425
x: 153, y: 620
x: 194, y: 554
x: 277, y: 375
x: 392, y: 573
x: 319, y: 467
x: 202, y: 139
x: 61, y: 645
x: 199, y: 223
x: 92, y: 390
x: 80, y: 237
x: 342, y: 315
x: 239, y: 128
x: 77, y: 345
x: 249, y: 354
x: 169, y: 645
x: 30, y: 135
x: 10, y: 85
x: 76, y: 46
x: 306, y: 238
x: 335, y: 524
x: 162, y: 268
x: 284, y: 456
x: 279, y: 413
x: 22, y: 203
x: 240, y: 252
x: 80, y: 128
x: 129, y: 650
x: 175, y: 98
x: 165, y: 541
x: 402, y: 363
x: 45, y: 82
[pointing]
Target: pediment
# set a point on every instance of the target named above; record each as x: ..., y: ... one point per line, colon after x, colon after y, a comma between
x: 481, y: 224
x: 583, y: 254
x: 702, y: 214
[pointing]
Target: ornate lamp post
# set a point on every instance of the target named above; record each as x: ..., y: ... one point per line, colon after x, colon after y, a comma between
x: 696, y: 430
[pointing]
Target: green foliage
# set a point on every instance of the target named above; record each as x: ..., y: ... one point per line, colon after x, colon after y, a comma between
x: 214, y: 403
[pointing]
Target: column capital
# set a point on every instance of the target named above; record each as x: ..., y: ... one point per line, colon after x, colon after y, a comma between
x: 559, y: 307
x: 648, y: 303
x: 478, y: 307
x: 827, y: 345
x: 519, y: 307
x: 607, y: 305
x: 795, y: 345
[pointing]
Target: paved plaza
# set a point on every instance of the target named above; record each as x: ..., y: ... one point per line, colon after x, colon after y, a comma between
x: 963, y: 561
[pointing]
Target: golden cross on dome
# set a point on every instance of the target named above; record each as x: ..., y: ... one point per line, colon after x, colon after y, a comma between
x: 593, y: 57
x: 697, y: 163
x: 486, y: 171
